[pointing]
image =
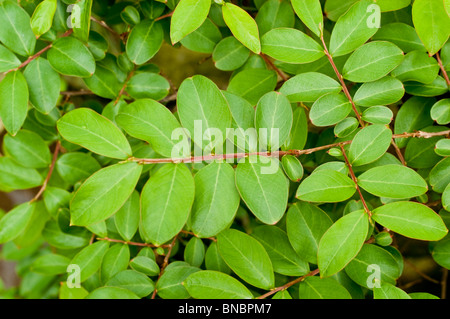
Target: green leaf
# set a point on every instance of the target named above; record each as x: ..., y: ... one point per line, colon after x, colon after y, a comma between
x: 127, y: 217
x: 13, y: 101
x: 115, y: 260
x: 372, y: 61
x: 94, y: 132
x: 75, y: 167
x: 422, y: 295
x: 335, y: 8
x: 369, y: 144
x: 413, y: 115
x: 284, y: 259
x: 290, y: 45
x: 393, y: 181
x: 441, y: 252
x: 90, y: 258
x: 330, y: 109
x: 14, y: 222
x: 440, y: 112
x: 69, y: 56
x: 166, y: 201
x: 242, y: 25
x: 43, y: 83
x: 111, y: 293
x: 82, y: 16
x: 229, y: 54
x: 420, y: 153
x: 400, y: 34
x: 346, y: 127
x: 384, y: 91
x: 16, y: 33
x: 98, y: 45
x: 111, y: 185
x: 144, y: 41
x: 199, y: 99
x: 342, y: 242
x: 50, y: 264
x: 322, y: 288
x: 56, y: 198
x: 309, y: 86
x: 417, y: 66
x: 15, y: 176
x: 216, y: 200
x: 292, y: 167
x: 251, y: 84
x: 194, y: 252
x: 170, y: 285
x: 440, y: 175
x: 73, y: 238
x: 148, y: 85
x: 203, y: 39
x: 28, y: 149
x: 411, y: 219
x: 134, y: 281
x: 393, y: 5
x: 151, y: 121
x: 431, y: 22
x: 326, y: 186
x: 310, y: 12
x: 305, y: 225
x: 299, y: 132
x: 354, y: 28
x: 208, y: 284
x: 72, y: 293
x: 103, y: 83
x: 188, y: 16
x: 373, y: 258
x: 378, y: 115
x: 274, y: 114
x: 8, y: 60
x: 274, y: 14
x: 246, y: 257
x: 443, y: 147
x: 145, y: 265
x: 263, y: 187
x: 389, y: 291
x: 42, y: 18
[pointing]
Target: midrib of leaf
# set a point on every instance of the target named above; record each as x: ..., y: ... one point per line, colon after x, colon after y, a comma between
x: 43, y: 95
x: 256, y: 85
x: 366, y: 97
x: 370, y: 63
x: 30, y: 151
x: 75, y: 168
x: 241, y: 26
x: 363, y: 18
x: 105, y: 85
x: 295, y: 48
x: 280, y: 253
x: 367, y: 264
x: 199, y: 100
x: 169, y: 196
x: 229, y: 55
x: 144, y: 40
x: 309, y: 230
x: 390, y: 183
x: 188, y: 15
x: 222, y: 289
x: 409, y: 221
x: 334, y: 108
x: 368, y: 145
x: 266, y: 201
x: 71, y: 59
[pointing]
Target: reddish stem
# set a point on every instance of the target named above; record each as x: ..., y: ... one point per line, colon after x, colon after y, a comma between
x: 444, y: 72
x: 50, y: 172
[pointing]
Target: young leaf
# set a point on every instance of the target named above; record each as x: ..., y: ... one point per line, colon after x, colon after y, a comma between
x: 13, y: 101
x: 322, y: 288
x: 342, y: 242
x: 127, y: 217
x: 309, y: 86
x: 144, y: 41
x: 145, y: 265
x: 292, y: 167
x: 95, y: 132
x: 330, y: 109
x: 290, y: 45
x: 246, y: 257
x: 411, y: 219
x: 208, y: 284
x: 284, y: 259
x: 69, y: 56
x: 310, y: 12
x: 263, y: 187
x: 150, y: 121
x: 431, y: 22
x: 14, y: 222
x: 242, y: 25
x: 188, y: 16
x: 216, y: 200
x: 354, y: 28
x: 90, y: 258
x: 44, y: 84
x: 16, y: 33
x: 326, y: 186
x: 305, y: 225
x: 384, y: 91
x: 166, y: 201
x: 42, y: 18
x: 111, y: 185
x: 369, y: 144
x: 273, y: 113
x: 393, y: 181
x: 372, y: 61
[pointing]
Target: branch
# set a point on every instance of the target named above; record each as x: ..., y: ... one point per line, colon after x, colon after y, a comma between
x: 289, y: 284
x: 352, y: 174
x: 131, y: 243
x: 267, y: 60
x: 107, y: 27
x: 164, y: 16
x: 165, y: 263
x: 197, y: 159
x: 399, y: 152
x: 341, y: 79
x: 50, y: 172
x: 444, y: 72
x: 191, y: 233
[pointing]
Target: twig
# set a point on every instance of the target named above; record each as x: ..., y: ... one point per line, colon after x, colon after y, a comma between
x: 131, y: 243
x: 75, y: 93
x: 270, y: 63
x: 341, y: 79
x: 107, y: 27
x: 164, y: 16
x: 50, y: 171
x: 399, y: 152
x: 420, y: 273
x: 165, y: 263
x: 191, y: 233
x: 444, y: 72
x: 444, y: 283
x: 122, y: 90
x: 289, y: 284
